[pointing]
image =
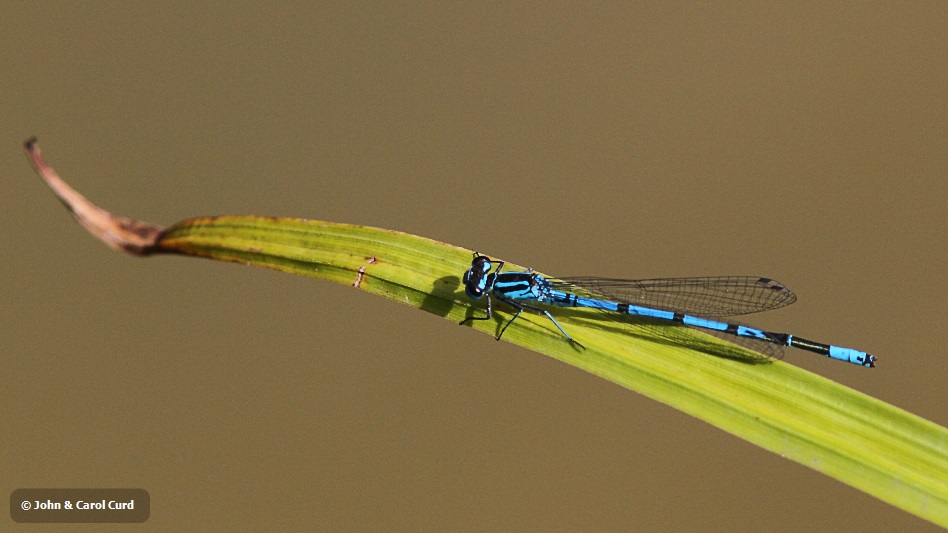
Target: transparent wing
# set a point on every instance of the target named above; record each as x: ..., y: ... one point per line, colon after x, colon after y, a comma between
x: 716, y: 296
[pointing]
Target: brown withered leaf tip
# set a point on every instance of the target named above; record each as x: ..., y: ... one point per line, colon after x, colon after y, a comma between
x: 131, y: 236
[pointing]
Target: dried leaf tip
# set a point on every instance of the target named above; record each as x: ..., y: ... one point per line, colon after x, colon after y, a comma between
x: 131, y: 236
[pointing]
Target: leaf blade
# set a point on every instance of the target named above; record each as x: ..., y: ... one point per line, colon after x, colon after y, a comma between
x: 880, y: 449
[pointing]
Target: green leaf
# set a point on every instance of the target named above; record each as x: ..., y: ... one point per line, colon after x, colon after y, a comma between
x: 887, y: 452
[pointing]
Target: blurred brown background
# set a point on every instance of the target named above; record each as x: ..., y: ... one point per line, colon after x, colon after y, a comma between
x: 801, y: 141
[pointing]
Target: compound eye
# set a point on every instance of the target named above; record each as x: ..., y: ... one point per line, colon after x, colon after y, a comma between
x: 467, y: 277
x: 481, y: 263
x: 474, y: 292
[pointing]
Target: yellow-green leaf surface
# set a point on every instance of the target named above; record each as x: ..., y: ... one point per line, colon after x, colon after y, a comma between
x: 887, y: 452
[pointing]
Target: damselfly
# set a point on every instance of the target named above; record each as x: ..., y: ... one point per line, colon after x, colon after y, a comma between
x: 683, y: 301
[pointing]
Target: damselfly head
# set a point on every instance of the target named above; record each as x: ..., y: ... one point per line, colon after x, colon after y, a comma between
x: 481, y: 263
x: 475, y: 279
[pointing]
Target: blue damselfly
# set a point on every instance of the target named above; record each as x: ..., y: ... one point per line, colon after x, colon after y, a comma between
x: 693, y: 302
